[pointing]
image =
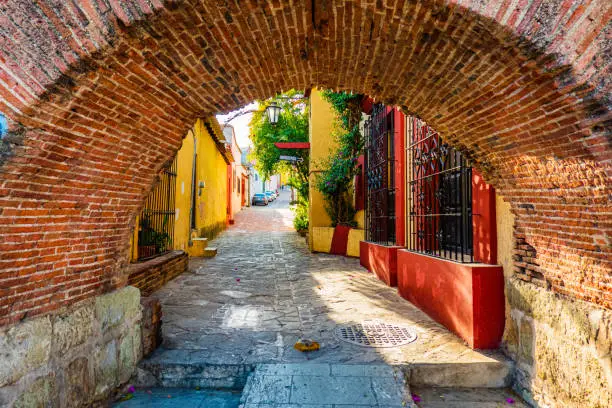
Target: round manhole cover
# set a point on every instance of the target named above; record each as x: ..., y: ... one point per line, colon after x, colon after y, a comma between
x: 376, y: 333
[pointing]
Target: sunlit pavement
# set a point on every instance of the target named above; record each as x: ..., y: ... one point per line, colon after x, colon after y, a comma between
x: 265, y: 290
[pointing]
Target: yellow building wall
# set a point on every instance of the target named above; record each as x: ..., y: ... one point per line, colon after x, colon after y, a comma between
x: 182, y: 227
x: 211, y: 200
x: 360, y: 218
x: 322, y: 144
x: 504, y: 220
x: 322, y: 240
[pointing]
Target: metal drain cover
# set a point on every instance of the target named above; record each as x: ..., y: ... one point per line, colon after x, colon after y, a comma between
x: 376, y: 333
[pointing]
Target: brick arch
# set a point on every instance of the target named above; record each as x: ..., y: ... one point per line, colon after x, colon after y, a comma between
x: 99, y: 95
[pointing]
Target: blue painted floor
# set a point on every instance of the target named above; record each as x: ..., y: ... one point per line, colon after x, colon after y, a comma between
x: 181, y: 397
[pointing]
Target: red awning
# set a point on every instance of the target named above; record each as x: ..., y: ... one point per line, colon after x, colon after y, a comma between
x: 292, y: 145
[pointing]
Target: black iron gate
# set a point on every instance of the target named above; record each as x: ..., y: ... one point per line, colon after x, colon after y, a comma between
x: 156, y: 225
x: 439, y: 195
x: 380, y: 173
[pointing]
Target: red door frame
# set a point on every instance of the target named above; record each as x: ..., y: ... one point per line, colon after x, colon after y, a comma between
x: 242, y: 184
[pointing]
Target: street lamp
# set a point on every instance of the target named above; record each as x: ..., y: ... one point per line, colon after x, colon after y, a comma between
x: 273, y: 112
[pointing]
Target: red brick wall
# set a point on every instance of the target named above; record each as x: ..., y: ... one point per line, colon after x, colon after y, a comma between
x: 149, y: 276
x: 99, y: 93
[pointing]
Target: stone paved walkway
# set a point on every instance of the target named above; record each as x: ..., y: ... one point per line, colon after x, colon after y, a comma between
x: 264, y: 290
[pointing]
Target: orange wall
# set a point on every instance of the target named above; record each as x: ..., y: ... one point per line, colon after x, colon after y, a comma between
x: 235, y: 172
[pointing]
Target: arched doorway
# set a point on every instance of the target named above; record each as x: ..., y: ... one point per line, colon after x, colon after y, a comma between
x: 99, y: 95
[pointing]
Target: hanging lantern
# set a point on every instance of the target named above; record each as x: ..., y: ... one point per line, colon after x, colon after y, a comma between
x: 273, y: 112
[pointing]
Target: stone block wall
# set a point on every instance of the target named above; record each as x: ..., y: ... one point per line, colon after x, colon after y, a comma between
x: 149, y: 276
x: 562, y: 348
x: 73, y: 358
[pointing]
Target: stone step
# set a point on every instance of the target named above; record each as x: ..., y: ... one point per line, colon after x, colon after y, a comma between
x: 364, y: 385
x: 324, y: 385
x: 202, y: 242
x: 180, y: 368
x: 184, y: 369
x: 198, y: 247
x: 489, y: 373
x: 181, y: 398
x: 436, y: 397
x: 210, y: 252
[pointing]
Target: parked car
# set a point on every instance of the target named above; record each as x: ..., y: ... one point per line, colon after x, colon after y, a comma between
x: 274, y: 195
x: 269, y: 196
x: 259, y: 199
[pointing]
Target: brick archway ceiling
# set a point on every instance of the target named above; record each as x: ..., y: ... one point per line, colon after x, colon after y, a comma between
x: 99, y: 94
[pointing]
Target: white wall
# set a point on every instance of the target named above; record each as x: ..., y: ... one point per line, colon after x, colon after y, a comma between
x: 256, y: 183
x: 273, y: 183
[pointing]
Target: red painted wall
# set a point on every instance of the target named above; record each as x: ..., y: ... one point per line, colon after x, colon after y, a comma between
x: 380, y: 259
x: 468, y: 299
x: 483, y: 220
x: 400, y: 181
x: 339, y: 242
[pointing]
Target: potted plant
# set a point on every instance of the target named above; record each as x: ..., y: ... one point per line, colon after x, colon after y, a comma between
x: 150, y: 241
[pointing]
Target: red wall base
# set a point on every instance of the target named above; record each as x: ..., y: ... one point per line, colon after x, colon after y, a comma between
x: 339, y: 242
x: 380, y: 259
x: 466, y: 298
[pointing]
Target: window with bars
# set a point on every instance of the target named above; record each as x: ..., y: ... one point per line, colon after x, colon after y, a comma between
x: 439, y: 195
x: 380, y: 172
x: 156, y: 221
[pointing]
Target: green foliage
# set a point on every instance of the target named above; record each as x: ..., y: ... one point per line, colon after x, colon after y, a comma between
x: 336, y: 181
x: 300, y: 221
x: 292, y: 126
x: 148, y: 236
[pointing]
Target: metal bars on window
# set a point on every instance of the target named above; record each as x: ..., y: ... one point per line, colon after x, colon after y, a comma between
x: 156, y: 223
x: 439, y: 195
x: 380, y: 173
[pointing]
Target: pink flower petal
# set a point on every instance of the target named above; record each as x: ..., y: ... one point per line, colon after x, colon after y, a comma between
x: 509, y: 400
x: 416, y: 398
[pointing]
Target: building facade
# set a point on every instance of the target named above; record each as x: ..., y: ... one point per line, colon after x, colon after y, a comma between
x: 431, y: 226
x: 237, y: 176
x: 427, y: 222
x: 320, y: 232
x: 185, y: 204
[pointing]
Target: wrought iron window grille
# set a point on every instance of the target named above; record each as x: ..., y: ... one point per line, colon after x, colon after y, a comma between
x: 439, y: 196
x: 156, y: 226
x: 379, y: 132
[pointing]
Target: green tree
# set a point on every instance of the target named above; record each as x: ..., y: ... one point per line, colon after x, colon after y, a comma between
x: 336, y: 181
x: 292, y: 126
